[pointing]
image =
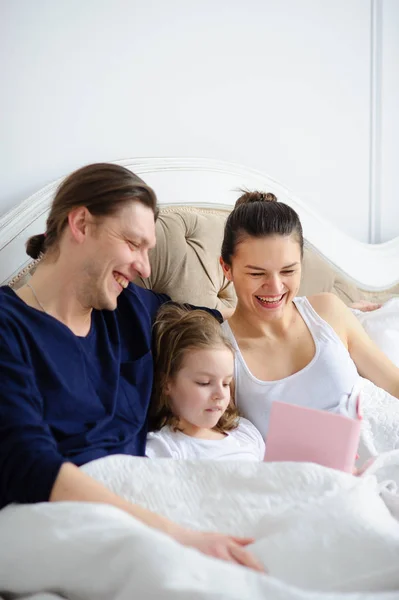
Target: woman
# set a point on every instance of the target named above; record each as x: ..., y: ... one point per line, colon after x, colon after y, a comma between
x: 307, y: 351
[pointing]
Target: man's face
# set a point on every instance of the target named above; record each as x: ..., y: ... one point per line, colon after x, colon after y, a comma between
x: 116, y: 252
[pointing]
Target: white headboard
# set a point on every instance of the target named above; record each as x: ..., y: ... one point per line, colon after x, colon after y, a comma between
x: 211, y: 183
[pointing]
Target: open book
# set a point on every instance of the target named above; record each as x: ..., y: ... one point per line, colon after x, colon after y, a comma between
x: 298, y: 433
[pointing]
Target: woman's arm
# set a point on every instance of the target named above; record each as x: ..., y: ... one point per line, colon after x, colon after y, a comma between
x: 370, y: 361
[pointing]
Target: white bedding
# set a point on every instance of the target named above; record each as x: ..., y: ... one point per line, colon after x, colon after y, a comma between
x: 382, y: 325
x: 317, y: 530
x: 322, y: 534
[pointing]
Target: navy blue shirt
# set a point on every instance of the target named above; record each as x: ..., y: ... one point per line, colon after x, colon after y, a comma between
x: 70, y: 398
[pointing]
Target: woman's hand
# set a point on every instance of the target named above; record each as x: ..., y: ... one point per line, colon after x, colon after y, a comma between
x: 225, y: 547
x: 365, y: 306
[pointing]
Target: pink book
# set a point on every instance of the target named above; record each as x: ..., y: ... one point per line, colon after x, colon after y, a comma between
x: 301, y: 434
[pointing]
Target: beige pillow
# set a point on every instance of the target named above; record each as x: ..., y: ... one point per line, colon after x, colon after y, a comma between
x: 185, y: 262
x: 318, y: 275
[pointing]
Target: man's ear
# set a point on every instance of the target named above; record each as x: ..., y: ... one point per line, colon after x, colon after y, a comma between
x: 78, y: 221
x: 226, y: 269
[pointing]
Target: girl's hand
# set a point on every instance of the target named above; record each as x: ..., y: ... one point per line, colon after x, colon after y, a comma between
x: 225, y: 547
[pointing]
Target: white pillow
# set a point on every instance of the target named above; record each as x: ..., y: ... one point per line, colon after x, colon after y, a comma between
x: 382, y: 325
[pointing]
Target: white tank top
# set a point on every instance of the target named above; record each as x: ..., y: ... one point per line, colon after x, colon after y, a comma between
x: 321, y: 384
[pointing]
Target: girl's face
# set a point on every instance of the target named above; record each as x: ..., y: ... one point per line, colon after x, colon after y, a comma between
x: 200, y: 392
x: 266, y: 273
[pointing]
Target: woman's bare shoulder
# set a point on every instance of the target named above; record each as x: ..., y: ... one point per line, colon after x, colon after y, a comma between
x: 332, y: 310
x: 326, y: 301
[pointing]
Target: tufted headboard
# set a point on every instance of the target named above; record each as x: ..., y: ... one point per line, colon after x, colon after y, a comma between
x: 195, y: 196
x: 185, y: 262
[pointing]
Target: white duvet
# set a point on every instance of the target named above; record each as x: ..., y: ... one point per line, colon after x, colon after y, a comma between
x: 382, y: 326
x: 321, y: 533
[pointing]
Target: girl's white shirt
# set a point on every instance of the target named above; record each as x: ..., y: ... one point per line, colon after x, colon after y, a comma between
x: 243, y: 443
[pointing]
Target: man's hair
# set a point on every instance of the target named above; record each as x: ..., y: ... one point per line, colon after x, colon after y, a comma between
x: 103, y: 188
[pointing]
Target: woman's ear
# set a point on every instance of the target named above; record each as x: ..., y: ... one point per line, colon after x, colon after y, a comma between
x: 226, y: 269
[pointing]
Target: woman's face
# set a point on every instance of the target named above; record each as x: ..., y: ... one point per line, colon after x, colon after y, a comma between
x: 266, y: 273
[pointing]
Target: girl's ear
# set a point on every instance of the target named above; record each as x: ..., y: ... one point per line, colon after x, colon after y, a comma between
x: 167, y: 387
x: 226, y: 269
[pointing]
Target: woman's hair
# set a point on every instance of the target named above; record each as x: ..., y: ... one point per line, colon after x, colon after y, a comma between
x: 178, y: 330
x: 103, y: 188
x: 258, y: 214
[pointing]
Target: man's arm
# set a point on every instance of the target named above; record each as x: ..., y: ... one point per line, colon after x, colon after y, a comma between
x: 32, y: 469
x: 226, y: 312
x: 154, y: 301
x: 74, y: 485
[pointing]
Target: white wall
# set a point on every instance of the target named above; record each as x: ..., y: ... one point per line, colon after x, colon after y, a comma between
x: 389, y: 206
x: 281, y: 86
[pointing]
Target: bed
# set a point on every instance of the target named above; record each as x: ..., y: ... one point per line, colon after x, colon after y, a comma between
x: 297, y: 513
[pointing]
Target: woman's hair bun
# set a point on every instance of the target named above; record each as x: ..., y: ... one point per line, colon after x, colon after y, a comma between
x: 247, y: 197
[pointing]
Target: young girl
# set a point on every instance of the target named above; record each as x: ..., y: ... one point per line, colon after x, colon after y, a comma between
x: 193, y: 415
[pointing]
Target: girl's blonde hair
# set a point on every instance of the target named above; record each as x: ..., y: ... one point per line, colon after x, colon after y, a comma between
x: 178, y: 330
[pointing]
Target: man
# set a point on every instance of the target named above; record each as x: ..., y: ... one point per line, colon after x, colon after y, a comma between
x: 75, y: 351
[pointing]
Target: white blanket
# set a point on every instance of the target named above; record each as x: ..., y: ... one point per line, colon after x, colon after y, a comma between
x: 321, y: 533
x: 380, y: 427
x: 382, y: 325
